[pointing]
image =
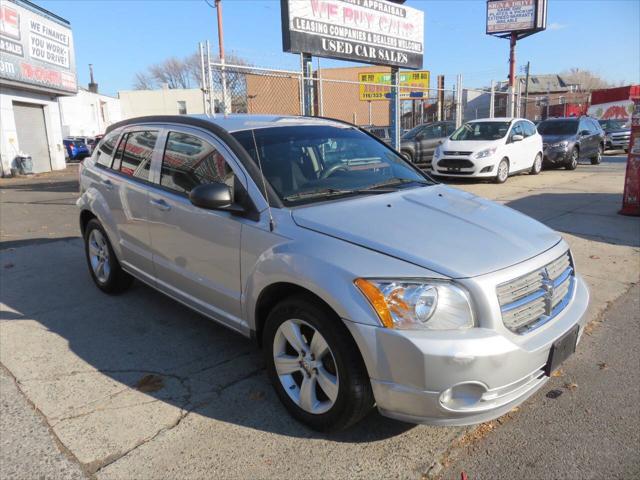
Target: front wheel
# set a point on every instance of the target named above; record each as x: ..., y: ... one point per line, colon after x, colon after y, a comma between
x: 597, y: 158
x: 503, y: 171
x: 314, y: 365
x: 573, y: 159
x: 536, y: 168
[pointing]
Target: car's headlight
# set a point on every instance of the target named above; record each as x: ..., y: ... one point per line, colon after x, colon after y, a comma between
x: 563, y: 144
x: 418, y: 304
x: 485, y: 153
x: 437, y: 152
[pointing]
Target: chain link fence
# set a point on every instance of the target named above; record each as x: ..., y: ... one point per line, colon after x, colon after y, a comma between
x: 336, y: 93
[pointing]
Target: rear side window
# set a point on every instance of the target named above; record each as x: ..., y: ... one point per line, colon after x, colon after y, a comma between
x: 137, y: 149
x: 105, y: 151
x: 190, y: 161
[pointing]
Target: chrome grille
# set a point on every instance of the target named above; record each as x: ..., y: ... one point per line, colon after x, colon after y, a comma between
x: 454, y: 153
x: 530, y: 301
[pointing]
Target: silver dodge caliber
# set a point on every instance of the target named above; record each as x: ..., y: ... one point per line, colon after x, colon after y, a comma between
x: 365, y: 282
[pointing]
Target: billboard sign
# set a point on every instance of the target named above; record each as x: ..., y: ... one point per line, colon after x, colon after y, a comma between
x: 377, y: 86
x: 36, y: 48
x: 507, y: 16
x: 369, y: 31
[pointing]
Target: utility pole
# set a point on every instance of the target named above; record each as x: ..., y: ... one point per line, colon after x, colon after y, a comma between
x: 306, y: 64
x: 512, y: 71
x: 492, y: 100
x: 225, y: 107
x: 395, y: 108
x: 526, y: 90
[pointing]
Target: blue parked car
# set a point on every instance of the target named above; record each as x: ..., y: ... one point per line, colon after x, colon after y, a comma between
x: 76, y: 149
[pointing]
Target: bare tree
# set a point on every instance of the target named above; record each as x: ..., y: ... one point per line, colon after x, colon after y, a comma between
x: 585, y: 79
x: 143, y: 82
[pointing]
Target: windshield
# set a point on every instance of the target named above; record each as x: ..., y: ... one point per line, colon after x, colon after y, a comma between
x: 558, y: 127
x: 614, y: 124
x: 481, y: 131
x: 311, y: 163
x: 413, y: 132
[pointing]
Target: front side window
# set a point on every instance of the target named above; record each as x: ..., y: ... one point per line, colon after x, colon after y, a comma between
x: 190, y: 161
x: 310, y: 163
x: 481, y: 131
x: 136, y: 154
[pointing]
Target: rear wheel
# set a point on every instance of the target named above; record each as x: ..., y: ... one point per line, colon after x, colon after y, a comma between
x: 597, y: 158
x: 572, y: 163
x: 314, y: 365
x: 103, y: 264
x: 503, y: 171
x: 536, y: 168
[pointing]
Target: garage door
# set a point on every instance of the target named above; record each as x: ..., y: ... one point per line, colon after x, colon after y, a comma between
x: 32, y: 134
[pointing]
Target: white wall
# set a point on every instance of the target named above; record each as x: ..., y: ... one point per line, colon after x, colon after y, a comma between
x: 137, y: 103
x: 9, y: 145
x: 88, y: 114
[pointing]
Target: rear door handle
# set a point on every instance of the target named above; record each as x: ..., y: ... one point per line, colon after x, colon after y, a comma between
x: 160, y: 204
x: 108, y: 184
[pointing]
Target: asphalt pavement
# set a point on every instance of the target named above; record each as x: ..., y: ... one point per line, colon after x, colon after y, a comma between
x: 137, y: 386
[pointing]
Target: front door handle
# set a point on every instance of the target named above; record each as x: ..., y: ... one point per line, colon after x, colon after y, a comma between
x: 108, y: 184
x: 160, y: 204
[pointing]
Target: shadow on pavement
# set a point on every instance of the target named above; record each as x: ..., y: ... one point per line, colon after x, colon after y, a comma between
x: 202, y: 367
x: 66, y: 186
x: 593, y: 216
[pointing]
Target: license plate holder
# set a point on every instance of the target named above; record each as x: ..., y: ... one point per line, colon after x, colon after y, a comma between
x: 562, y: 349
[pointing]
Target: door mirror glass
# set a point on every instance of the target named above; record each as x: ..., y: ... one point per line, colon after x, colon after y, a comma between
x: 517, y: 138
x: 212, y: 196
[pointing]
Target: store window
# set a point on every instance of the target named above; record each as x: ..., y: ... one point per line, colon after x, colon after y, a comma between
x: 182, y: 107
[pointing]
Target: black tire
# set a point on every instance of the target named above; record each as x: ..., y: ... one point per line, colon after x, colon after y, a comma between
x: 117, y: 280
x: 355, y: 397
x: 536, y: 168
x: 572, y: 163
x: 500, y: 178
x: 597, y: 158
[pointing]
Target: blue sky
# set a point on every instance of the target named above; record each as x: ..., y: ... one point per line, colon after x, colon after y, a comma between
x: 122, y: 37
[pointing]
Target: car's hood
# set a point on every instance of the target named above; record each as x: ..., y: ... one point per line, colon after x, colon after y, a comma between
x: 440, y: 228
x: 469, y: 145
x: 557, y: 138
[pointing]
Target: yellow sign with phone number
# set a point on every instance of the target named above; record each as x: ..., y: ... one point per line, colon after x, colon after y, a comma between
x: 377, y: 86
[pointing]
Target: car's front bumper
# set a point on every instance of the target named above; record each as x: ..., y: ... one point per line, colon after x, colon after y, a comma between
x: 479, y: 168
x: 412, y: 372
x: 556, y: 156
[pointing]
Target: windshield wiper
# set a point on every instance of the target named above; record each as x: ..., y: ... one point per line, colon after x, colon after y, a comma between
x: 317, y: 193
x: 393, y: 182
x: 371, y: 189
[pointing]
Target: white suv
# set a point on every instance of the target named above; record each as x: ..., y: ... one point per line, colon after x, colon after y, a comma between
x: 490, y: 148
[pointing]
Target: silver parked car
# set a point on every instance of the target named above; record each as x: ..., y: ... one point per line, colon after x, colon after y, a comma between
x: 365, y: 282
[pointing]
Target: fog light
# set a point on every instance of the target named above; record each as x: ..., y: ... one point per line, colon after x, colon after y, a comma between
x: 462, y: 396
x: 487, y: 169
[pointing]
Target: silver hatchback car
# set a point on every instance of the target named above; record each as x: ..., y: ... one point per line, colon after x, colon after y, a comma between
x: 365, y: 282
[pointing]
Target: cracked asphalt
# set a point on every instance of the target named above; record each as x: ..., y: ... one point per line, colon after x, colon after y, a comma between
x: 137, y: 386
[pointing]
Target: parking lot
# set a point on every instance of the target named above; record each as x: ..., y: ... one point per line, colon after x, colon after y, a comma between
x: 137, y: 386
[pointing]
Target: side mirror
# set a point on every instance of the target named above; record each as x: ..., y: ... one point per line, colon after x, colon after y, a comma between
x: 517, y: 138
x: 212, y: 196
x: 584, y: 133
x: 419, y: 137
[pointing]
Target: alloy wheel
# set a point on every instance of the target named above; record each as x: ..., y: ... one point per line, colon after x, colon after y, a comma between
x: 305, y: 366
x: 99, y: 255
x: 503, y: 171
x: 537, y: 164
